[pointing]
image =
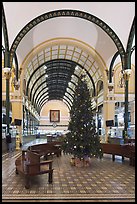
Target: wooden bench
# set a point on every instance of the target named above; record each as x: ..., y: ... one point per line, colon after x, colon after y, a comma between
x: 124, y: 150
x: 46, y: 149
x: 29, y: 164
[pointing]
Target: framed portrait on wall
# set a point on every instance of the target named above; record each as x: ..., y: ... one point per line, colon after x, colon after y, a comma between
x: 54, y: 115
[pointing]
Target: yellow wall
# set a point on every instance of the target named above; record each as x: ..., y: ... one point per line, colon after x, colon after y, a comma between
x: 16, y: 110
x: 11, y: 87
x: 117, y: 71
x: 45, y: 115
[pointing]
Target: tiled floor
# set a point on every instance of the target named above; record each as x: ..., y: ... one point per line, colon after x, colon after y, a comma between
x: 104, y: 180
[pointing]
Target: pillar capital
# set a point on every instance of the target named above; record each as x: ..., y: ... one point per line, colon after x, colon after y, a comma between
x: 110, y: 86
x: 16, y: 84
x: 7, y: 72
x: 7, y: 75
x: 127, y: 74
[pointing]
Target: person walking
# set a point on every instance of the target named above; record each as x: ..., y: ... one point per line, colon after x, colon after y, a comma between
x: 9, y: 142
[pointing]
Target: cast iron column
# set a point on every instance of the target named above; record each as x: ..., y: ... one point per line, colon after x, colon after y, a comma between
x: 126, y: 75
x: 126, y: 107
x: 7, y: 74
x: 7, y: 104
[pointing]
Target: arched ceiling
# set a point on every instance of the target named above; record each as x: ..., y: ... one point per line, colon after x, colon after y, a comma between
x: 119, y: 15
x: 110, y: 12
x: 53, y: 71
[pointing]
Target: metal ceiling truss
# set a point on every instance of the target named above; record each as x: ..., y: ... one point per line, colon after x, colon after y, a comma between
x: 67, y: 13
x: 129, y: 51
x: 5, y: 32
x: 131, y: 37
x: 64, y: 67
x: 61, y: 89
x: 58, y: 77
x: 56, y: 93
x: 53, y: 85
x: 45, y: 82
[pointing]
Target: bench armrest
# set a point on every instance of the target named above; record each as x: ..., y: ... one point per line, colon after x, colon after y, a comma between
x: 41, y: 167
x: 46, y: 162
x: 41, y: 163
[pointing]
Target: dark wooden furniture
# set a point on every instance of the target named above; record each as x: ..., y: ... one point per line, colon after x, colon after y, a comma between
x: 29, y: 164
x: 129, y: 140
x: 124, y: 150
x: 50, y: 148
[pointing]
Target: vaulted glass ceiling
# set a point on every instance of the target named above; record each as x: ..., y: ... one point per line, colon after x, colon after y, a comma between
x: 53, y: 74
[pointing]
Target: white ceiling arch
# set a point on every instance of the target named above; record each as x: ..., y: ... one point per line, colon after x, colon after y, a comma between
x: 90, y: 38
x: 68, y: 49
x: 73, y: 27
x: 91, y: 34
x: 119, y: 15
x: 70, y: 27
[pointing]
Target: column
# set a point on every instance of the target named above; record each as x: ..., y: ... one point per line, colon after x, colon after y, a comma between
x: 126, y: 75
x: 17, y: 112
x: 108, y: 114
x: 7, y: 75
x: 108, y: 109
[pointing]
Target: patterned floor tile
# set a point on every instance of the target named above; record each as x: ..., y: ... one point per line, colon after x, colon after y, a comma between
x: 103, y: 179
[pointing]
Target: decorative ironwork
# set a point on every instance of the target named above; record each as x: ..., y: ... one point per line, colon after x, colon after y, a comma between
x: 110, y: 86
x: 67, y: 13
x: 4, y: 26
x: 57, y: 82
x: 131, y: 36
x: 16, y: 83
x: 124, y: 75
x: 7, y: 72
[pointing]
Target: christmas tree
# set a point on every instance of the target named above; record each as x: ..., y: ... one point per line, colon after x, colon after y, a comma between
x: 82, y: 140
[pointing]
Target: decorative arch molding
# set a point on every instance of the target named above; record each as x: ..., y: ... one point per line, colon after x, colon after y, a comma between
x: 129, y: 51
x: 83, y: 47
x: 117, y: 75
x: 67, y: 13
x: 99, y: 87
x: 69, y: 42
x: 130, y: 39
x: 113, y: 60
x: 5, y: 32
x: 52, y: 61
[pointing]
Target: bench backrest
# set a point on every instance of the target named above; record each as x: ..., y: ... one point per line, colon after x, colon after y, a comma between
x: 47, y: 147
x: 116, y: 149
x: 33, y: 158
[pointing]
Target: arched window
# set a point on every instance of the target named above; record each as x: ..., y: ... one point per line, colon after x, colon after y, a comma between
x: 99, y: 86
